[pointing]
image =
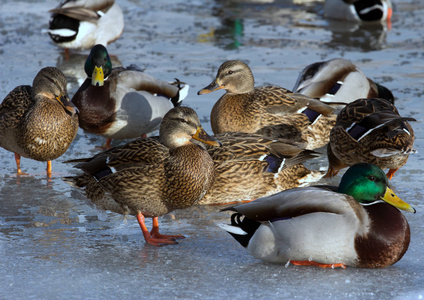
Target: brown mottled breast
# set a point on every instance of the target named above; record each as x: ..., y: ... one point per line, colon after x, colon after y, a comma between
x: 189, y: 175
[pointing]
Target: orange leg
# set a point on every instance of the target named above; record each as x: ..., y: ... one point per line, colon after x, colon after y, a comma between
x: 153, y: 240
x: 331, y: 173
x: 49, y: 169
x: 106, y: 146
x: 155, y: 232
x: 18, y: 165
x: 316, y: 264
x: 231, y: 203
x: 391, y: 173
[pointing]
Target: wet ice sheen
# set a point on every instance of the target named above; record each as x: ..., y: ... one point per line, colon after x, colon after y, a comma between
x: 55, y: 244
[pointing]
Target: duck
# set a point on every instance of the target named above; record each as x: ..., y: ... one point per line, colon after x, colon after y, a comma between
x: 248, y: 166
x: 338, y: 81
x: 81, y: 24
x: 357, y: 224
x: 123, y: 103
x: 271, y: 111
x: 372, y: 131
x: 150, y: 177
x: 39, y: 121
x: 359, y: 10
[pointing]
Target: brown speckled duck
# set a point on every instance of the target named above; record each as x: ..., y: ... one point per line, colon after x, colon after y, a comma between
x: 271, y: 111
x: 150, y: 177
x: 249, y: 166
x: 122, y: 103
x: 38, y: 122
x: 356, y: 224
x: 372, y: 131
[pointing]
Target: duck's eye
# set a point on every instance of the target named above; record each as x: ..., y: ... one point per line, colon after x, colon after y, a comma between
x: 183, y: 120
x: 230, y: 72
x: 371, y: 177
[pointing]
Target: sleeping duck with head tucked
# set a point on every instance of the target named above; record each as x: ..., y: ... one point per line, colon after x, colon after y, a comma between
x: 356, y: 224
x: 39, y: 121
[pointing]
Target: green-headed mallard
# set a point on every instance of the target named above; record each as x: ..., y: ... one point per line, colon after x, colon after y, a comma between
x: 122, y: 103
x: 356, y: 224
x: 271, y: 111
x: 38, y: 122
x: 150, y: 177
x: 338, y: 81
x: 372, y: 131
x: 249, y: 166
x: 359, y: 10
x: 81, y: 24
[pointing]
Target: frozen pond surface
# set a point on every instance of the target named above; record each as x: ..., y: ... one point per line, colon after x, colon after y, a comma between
x: 55, y: 244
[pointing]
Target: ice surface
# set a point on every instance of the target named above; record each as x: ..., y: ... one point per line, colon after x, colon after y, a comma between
x: 55, y: 244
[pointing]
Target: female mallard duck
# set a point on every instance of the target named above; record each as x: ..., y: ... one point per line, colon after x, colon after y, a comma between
x: 249, y: 166
x: 271, y: 111
x: 372, y: 131
x: 338, y: 81
x: 122, y: 103
x: 81, y: 24
x: 355, y: 224
x: 38, y: 122
x: 359, y: 10
x: 150, y: 177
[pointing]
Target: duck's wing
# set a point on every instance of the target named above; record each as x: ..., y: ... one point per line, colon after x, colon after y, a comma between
x: 83, y: 10
x: 14, y: 106
x: 295, y: 202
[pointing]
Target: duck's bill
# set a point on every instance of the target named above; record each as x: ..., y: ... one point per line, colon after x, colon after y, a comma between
x: 391, y: 198
x: 210, y: 88
x: 67, y: 104
x: 202, y: 136
x: 98, y: 76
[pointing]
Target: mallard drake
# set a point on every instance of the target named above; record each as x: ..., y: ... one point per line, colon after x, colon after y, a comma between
x: 122, y: 103
x: 271, y: 111
x: 81, y: 24
x: 372, y: 131
x: 249, y: 166
x: 338, y: 81
x: 355, y: 224
x: 359, y: 10
x: 151, y: 177
x: 38, y: 122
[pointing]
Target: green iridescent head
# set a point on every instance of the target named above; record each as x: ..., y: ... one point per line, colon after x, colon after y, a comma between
x: 98, y: 65
x: 367, y: 183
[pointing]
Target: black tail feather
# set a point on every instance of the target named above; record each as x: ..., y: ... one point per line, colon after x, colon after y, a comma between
x: 247, y: 225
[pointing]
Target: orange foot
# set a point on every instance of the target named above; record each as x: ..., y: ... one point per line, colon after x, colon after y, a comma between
x: 155, y: 238
x: 231, y: 203
x: 316, y: 264
x: 391, y: 173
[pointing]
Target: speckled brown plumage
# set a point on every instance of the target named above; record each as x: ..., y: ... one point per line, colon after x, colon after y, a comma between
x: 39, y: 122
x: 149, y: 176
x: 245, y: 108
x: 249, y: 166
x: 370, y: 130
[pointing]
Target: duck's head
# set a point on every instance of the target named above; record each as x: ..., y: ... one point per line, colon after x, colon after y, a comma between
x: 50, y: 83
x: 368, y: 184
x: 234, y: 76
x: 180, y: 125
x: 98, y: 65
